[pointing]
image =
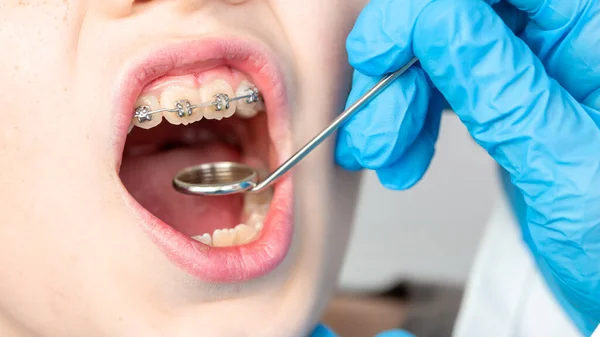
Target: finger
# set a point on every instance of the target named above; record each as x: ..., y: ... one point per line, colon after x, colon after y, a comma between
x: 411, y: 167
x: 382, y: 37
x: 494, y: 82
x: 552, y: 14
x: 382, y: 131
x: 515, y: 19
x: 381, y: 40
x: 344, y: 153
x: 564, y: 35
x: 593, y: 101
x: 531, y: 126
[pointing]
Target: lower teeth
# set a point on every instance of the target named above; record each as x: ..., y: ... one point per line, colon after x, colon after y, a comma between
x: 239, y: 235
x: 255, y: 210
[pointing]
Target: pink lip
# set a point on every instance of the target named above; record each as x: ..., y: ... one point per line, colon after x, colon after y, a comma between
x: 228, y: 264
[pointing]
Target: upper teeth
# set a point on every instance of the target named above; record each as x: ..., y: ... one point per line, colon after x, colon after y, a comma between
x: 183, y: 104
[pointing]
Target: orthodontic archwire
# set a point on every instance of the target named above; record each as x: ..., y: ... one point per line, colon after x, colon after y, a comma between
x: 183, y: 107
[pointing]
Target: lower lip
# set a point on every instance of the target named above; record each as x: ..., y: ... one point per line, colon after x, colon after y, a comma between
x: 207, y: 263
x: 229, y: 264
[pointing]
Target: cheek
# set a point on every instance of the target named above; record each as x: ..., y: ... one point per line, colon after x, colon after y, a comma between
x: 34, y: 70
x: 37, y: 118
x: 317, y: 31
x: 114, y: 8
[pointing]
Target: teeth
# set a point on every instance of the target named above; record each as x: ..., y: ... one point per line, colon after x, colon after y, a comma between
x: 209, y: 92
x: 204, y: 238
x: 224, y: 237
x: 183, y: 95
x: 255, y: 220
x: 172, y: 98
x: 244, y: 234
x: 256, y: 206
x: 239, y: 235
x: 254, y: 200
x: 245, y: 109
x: 152, y: 103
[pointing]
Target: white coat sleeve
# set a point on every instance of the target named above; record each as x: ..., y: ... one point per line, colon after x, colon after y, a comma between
x: 596, y: 332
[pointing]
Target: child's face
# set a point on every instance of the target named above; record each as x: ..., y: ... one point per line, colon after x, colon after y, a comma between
x: 93, y: 239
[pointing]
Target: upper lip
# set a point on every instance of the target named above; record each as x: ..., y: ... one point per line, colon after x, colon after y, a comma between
x: 255, y: 60
x: 232, y: 50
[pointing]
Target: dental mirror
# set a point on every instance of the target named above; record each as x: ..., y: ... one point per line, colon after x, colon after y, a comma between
x: 223, y: 178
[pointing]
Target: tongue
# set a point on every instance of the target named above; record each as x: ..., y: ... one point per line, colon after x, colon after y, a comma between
x: 148, y: 179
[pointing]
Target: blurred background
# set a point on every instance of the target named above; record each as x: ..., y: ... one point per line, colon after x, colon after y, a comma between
x: 411, y: 251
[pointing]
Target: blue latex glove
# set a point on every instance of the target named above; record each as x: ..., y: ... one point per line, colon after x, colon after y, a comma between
x: 395, y: 333
x: 530, y: 99
x: 322, y: 331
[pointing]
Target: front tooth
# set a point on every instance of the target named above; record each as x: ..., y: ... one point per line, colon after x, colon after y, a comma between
x: 223, y: 237
x: 244, y: 234
x: 152, y: 103
x: 204, y: 238
x: 181, y: 93
x: 245, y: 109
x: 208, y: 93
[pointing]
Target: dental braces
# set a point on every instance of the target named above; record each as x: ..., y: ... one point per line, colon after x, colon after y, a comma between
x: 184, y: 108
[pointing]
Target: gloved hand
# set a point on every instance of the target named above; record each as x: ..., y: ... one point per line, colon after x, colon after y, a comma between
x: 322, y: 331
x: 531, y: 101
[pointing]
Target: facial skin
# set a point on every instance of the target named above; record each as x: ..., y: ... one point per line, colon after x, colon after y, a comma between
x: 73, y: 259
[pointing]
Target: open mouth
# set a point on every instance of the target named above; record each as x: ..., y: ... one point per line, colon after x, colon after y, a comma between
x: 161, y: 144
x: 216, y: 104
